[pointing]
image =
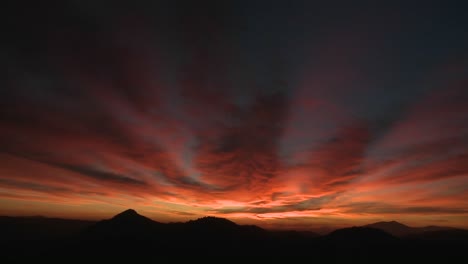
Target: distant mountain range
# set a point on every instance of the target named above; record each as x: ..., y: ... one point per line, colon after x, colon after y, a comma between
x: 130, y: 223
x: 129, y: 233
x: 400, y: 230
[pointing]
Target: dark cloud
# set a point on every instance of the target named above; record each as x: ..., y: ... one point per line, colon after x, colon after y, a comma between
x: 15, y: 184
x: 335, y: 163
x: 84, y: 170
x: 245, y: 153
x: 100, y: 174
x: 228, y: 107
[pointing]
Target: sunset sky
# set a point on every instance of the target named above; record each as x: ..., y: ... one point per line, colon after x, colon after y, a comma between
x: 284, y: 114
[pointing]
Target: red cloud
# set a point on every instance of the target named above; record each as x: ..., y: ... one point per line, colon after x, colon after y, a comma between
x: 172, y: 143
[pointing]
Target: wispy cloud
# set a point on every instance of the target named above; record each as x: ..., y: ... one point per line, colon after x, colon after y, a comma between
x: 187, y: 118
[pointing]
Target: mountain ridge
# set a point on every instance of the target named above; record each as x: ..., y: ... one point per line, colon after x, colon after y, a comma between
x: 129, y: 234
x: 130, y: 222
x: 398, y: 229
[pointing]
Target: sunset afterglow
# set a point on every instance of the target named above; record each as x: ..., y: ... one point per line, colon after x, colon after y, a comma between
x: 285, y: 120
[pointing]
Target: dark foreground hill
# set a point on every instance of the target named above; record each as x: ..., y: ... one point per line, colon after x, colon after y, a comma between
x: 132, y: 237
x: 37, y: 227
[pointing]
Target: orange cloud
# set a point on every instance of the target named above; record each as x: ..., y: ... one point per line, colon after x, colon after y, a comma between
x: 170, y: 142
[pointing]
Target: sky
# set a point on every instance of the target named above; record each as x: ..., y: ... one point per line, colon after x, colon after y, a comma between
x: 284, y: 114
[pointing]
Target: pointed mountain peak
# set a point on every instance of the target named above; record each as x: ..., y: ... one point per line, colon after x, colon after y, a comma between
x: 126, y: 223
x: 131, y: 216
x: 127, y: 213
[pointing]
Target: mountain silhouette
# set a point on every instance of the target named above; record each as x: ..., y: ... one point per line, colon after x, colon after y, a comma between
x: 213, y: 222
x: 212, y: 226
x: 398, y: 229
x: 218, y: 228
x: 392, y: 227
x: 127, y: 213
x: 130, y: 224
x: 130, y: 216
x: 125, y: 224
x: 360, y: 235
x: 129, y: 234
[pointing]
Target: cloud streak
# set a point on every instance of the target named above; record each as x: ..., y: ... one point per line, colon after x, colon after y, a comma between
x: 192, y: 112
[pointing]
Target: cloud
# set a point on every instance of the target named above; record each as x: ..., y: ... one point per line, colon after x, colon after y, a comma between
x: 101, y: 175
x: 178, y: 115
x: 310, y: 204
x: 331, y: 165
x: 244, y: 154
x: 427, y: 144
x: 10, y: 183
x: 385, y: 208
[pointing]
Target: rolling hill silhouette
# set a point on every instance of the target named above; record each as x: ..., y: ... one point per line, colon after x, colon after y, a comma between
x: 213, y: 221
x: 211, y: 226
x: 221, y: 228
x: 400, y: 230
x: 392, y: 227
